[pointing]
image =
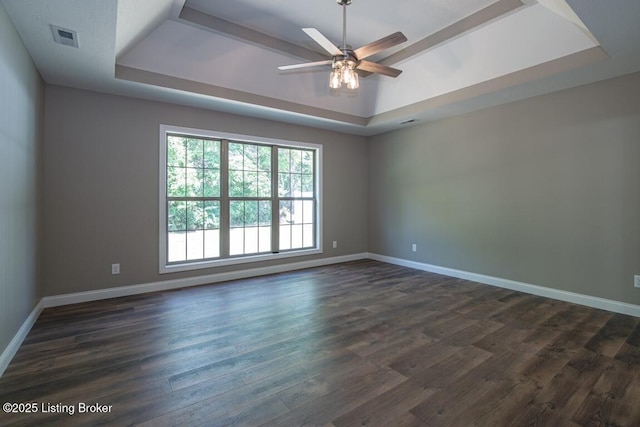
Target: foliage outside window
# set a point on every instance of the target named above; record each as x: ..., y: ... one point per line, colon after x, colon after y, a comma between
x: 228, y: 199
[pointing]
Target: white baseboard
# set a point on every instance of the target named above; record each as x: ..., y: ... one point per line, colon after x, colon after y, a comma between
x: 164, y: 285
x: 16, y: 342
x: 581, y: 299
x: 78, y: 297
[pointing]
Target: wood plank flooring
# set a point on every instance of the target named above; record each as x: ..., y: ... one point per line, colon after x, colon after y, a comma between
x: 354, y: 344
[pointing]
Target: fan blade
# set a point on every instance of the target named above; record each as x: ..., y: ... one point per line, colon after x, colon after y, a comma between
x: 305, y: 65
x: 372, y: 67
x: 322, y: 41
x: 380, y: 45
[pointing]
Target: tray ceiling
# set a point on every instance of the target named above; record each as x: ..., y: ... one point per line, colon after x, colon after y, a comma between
x: 460, y: 55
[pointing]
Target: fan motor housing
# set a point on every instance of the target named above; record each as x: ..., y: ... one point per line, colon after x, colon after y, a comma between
x: 347, y: 55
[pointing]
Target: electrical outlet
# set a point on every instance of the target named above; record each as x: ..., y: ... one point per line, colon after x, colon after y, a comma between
x: 414, y: 247
x: 335, y: 244
x: 115, y: 268
x: 636, y: 280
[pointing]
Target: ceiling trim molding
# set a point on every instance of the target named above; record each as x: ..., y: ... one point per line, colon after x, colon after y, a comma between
x: 559, y: 65
x: 162, y: 80
x: 176, y: 8
x: 130, y: 33
x: 455, y: 30
x: 213, y: 23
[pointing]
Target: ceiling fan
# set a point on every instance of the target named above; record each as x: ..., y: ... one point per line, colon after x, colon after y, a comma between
x: 344, y: 60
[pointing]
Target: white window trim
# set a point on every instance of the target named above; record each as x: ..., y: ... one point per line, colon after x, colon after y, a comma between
x: 165, y: 267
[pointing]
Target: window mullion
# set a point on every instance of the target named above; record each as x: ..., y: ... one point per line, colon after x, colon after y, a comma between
x: 224, y: 199
x: 275, y: 202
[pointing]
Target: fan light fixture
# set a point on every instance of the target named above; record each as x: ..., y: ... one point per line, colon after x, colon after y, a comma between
x: 343, y: 71
x: 345, y: 61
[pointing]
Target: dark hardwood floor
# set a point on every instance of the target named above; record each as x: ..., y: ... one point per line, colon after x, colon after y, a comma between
x: 361, y: 343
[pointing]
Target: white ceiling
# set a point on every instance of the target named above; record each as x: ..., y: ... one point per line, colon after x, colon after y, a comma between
x: 461, y: 55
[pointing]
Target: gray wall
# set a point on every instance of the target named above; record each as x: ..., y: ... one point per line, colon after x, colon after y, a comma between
x: 21, y: 115
x: 101, y: 186
x: 545, y: 191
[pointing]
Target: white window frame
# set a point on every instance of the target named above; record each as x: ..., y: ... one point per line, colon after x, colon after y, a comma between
x: 165, y: 266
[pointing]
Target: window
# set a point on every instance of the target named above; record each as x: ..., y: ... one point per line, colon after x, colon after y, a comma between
x: 227, y: 199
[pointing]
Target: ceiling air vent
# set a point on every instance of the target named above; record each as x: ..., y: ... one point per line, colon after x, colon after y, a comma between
x: 406, y: 122
x: 65, y: 36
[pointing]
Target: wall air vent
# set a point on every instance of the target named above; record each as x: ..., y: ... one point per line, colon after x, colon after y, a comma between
x: 64, y: 36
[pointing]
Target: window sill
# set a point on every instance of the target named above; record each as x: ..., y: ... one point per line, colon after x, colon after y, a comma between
x: 200, y: 265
